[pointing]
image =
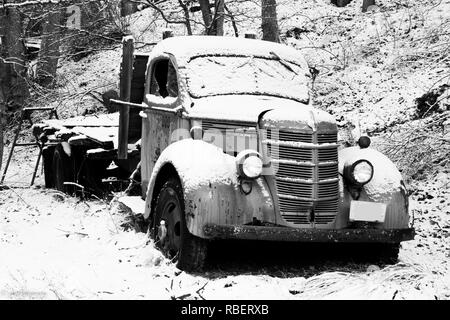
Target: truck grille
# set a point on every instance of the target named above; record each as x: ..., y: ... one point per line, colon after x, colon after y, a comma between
x: 306, y: 173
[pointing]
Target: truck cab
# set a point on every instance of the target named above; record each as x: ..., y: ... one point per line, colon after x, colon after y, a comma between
x: 232, y: 147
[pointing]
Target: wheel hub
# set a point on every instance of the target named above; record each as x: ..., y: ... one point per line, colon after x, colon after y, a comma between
x: 168, y: 229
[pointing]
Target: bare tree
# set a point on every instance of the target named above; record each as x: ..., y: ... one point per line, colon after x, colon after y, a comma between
x: 13, y: 87
x: 220, y: 12
x: 207, y: 16
x: 213, y: 20
x: 49, y: 52
x: 269, y: 22
x: 2, y: 117
x: 16, y: 86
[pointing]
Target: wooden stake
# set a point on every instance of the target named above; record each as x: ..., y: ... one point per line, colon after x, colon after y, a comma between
x: 168, y: 33
x: 126, y: 73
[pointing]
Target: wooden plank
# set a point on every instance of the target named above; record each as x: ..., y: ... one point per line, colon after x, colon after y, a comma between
x: 103, y: 120
x: 64, y: 134
x: 104, y: 136
x: 82, y: 140
x: 126, y: 74
x: 101, y: 153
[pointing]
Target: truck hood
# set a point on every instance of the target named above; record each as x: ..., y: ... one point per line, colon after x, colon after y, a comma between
x: 276, y: 112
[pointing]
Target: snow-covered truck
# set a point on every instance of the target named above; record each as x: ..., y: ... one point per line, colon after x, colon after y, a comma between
x: 232, y: 148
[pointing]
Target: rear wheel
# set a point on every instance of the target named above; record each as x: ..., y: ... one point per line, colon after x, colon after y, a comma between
x: 63, y: 170
x: 169, y: 230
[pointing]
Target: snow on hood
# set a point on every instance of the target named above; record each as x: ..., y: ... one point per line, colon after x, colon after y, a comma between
x: 386, y: 177
x: 247, y: 108
x: 306, y: 118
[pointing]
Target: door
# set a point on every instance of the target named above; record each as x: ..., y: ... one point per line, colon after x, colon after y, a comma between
x: 161, y: 121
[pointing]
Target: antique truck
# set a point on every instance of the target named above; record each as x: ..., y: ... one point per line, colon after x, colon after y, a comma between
x: 231, y: 147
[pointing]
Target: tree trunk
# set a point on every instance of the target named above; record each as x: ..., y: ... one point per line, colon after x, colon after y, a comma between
x: 2, y: 83
x: 49, y: 53
x: 15, y: 88
x: 2, y: 118
x: 220, y: 11
x: 269, y: 23
x: 207, y: 17
x: 128, y: 7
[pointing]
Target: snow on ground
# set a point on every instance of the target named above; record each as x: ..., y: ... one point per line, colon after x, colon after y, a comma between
x: 58, y: 247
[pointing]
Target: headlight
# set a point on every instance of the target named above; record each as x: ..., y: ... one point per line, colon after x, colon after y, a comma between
x: 360, y: 172
x: 249, y: 164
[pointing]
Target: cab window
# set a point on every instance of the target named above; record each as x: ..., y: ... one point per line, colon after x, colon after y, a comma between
x: 164, y: 81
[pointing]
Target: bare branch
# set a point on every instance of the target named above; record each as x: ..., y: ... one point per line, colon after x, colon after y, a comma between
x: 31, y: 3
x: 161, y: 12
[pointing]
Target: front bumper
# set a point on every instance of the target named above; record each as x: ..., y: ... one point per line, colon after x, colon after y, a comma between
x: 244, y: 232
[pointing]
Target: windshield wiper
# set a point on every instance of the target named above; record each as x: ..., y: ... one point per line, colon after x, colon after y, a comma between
x: 283, y: 62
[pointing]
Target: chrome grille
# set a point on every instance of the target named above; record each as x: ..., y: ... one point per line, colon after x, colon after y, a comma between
x: 328, y: 154
x: 327, y: 138
x: 328, y: 172
x: 327, y: 206
x: 328, y: 190
x: 297, y: 189
x: 293, y: 171
x: 294, y: 205
x: 306, y: 175
x: 284, y: 135
x: 323, y: 219
x: 296, y: 219
x: 292, y: 153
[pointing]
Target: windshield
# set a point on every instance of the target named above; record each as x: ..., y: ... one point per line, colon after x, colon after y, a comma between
x: 221, y: 75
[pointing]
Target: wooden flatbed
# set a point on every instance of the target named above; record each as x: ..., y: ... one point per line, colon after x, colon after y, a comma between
x: 79, y: 150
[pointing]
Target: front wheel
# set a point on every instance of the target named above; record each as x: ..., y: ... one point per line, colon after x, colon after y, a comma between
x: 386, y: 253
x: 169, y: 230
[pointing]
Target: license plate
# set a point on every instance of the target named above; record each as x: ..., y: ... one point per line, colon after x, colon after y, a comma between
x: 367, y: 211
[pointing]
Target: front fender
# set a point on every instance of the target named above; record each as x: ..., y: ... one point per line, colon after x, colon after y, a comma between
x: 211, y: 187
x: 386, y: 186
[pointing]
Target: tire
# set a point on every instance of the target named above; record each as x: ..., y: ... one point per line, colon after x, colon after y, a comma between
x: 47, y: 160
x: 388, y: 252
x: 177, y: 243
x: 91, y: 173
x: 63, y: 170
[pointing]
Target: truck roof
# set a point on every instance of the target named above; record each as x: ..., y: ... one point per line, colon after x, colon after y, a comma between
x: 186, y: 47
